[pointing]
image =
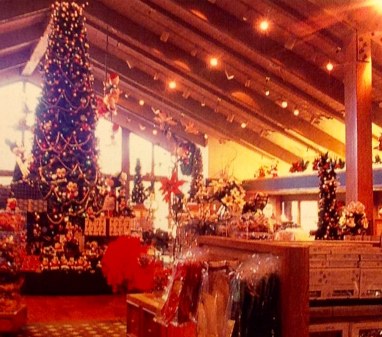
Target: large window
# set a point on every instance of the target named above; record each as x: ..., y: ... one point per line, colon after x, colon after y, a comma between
x: 110, y: 147
x: 18, y: 102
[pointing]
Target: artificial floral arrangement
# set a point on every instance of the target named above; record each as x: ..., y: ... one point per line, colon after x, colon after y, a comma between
x: 338, y: 163
x: 353, y: 220
x: 229, y: 193
x: 299, y: 166
x: 267, y: 171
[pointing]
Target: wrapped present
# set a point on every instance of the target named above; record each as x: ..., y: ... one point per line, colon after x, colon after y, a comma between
x: 22, y: 205
x: 32, y: 205
x: 37, y: 205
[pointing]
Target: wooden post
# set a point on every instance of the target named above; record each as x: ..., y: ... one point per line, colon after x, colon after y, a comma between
x: 126, y: 157
x: 358, y: 119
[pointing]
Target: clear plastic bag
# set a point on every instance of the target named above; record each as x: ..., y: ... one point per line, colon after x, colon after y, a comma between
x: 183, y: 290
x: 214, y: 298
x: 254, y: 309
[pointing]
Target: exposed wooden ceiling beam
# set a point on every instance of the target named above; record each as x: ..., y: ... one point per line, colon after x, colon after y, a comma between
x: 14, y: 60
x: 144, y: 114
x: 14, y: 10
x: 37, y: 53
x: 272, y: 111
x: 136, y: 81
x: 142, y: 38
x: 13, y: 41
x: 230, y: 38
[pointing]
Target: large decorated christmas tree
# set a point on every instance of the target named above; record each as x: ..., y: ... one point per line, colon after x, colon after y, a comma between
x: 138, y: 195
x: 328, y: 217
x: 65, y: 147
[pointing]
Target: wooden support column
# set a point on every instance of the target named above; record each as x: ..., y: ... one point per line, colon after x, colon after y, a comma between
x: 126, y: 157
x: 358, y: 119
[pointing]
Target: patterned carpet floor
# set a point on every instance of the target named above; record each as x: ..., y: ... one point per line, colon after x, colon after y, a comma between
x: 89, y: 329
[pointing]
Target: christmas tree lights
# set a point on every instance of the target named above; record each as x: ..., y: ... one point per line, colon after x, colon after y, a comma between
x: 64, y: 150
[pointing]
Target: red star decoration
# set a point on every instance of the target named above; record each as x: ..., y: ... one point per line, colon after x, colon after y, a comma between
x: 170, y: 186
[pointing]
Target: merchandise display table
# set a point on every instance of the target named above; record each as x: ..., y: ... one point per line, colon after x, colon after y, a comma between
x: 141, y: 312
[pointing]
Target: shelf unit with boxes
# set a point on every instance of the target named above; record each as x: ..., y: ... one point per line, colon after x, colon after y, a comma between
x: 13, y: 313
x: 328, y: 289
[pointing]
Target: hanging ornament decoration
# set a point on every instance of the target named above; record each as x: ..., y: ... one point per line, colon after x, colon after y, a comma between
x: 191, y: 128
x: 111, y: 92
x: 171, y: 186
x: 164, y: 122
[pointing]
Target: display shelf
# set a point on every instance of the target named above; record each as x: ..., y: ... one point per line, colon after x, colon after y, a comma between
x: 305, y: 182
x: 12, y: 249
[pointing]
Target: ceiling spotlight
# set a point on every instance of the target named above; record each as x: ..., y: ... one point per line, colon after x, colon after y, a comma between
x: 243, y: 125
x: 172, y: 84
x: 329, y: 66
x: 141, y: 102
x: 155, y: 132
x: 296, y: 112
x: 284, y: 104
x: 164, y: 36
x: 267, y: 92
x: 214, y: 62
x: 230, y: 118
x: 264, y: 25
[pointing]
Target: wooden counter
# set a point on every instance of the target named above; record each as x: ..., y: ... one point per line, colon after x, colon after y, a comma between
x: 301, y: 316
x: 294, y: 275
x: 141, y: 312
x: 12, y: 322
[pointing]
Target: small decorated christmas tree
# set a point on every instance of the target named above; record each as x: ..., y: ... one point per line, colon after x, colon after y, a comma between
x: 197, y: 174
x: 328, y: 217
x: 138, y: 195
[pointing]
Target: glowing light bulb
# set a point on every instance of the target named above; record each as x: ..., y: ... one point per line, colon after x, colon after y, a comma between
x: 264, y: 25
x: 243, y: 125
x: 172, y: 84
x: 141, y: 102
x: 284, y: 104
x: 214, y: 62
x: 296, y: 112
x: 329, y: 66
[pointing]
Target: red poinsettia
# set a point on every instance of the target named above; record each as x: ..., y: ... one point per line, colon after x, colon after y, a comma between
x: 170, y: 186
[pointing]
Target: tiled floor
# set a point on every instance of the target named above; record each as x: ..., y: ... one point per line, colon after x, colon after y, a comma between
x: 48, y: 309
x: 91, y: 329
x: 74, y: 316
